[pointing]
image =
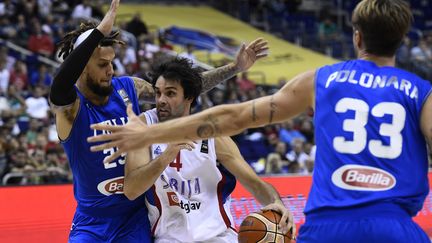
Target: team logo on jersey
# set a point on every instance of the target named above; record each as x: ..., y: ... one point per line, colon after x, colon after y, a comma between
x: 204, y: 146
x: 158, y: 151
x: 173, y: 200
x: 111, y: 186
x: 124, y: 96
x: 363, y: 178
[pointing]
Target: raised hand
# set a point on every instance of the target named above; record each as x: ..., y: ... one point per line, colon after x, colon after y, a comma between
x: 125, y: 138
x: 107, y: 23
x: 287, y: 220
x: 247, y: 55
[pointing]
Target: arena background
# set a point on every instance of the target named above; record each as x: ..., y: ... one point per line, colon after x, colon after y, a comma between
x: 43, y: 213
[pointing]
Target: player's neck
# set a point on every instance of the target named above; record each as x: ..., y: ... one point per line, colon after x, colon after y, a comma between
x: 380, y: 61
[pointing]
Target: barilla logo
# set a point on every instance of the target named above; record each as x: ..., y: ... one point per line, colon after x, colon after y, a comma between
x: 363, y: 178
x: 111, y: 186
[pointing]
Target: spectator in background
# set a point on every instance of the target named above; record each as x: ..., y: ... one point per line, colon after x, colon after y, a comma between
x: 163, y: 42
x: 82, y: 10
x: 58, y: 172
x: 8, y: 9
x: 29, y: 9
x: 7, y: 28
x: 189, y: 53
x: 4, y: 76
x: 273, y: 164
x: 403, y: 55
x: 12, y: 103
x: 421, y: 56
x: 310, y: 150
x: 18, y: 77
x: 307, y: 129
x: 330, y: 36
x: 40, y: 41
x: 44, y: 7
x: 287, y: 133
x: 277, y: 161
x: 10, y: 60
x: 41, y: 77
x: 298, y: 156
x: 137, y: 26
x: 244, y: 83
x: 19, y: 163
x: 23, y: 33
x: 37, y: 104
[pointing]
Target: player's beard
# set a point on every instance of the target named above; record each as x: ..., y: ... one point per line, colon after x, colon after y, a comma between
x: 96, y: 88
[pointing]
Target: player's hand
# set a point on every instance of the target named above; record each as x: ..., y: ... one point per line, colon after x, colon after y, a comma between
x: 107, y: 23
x: 247, y: 55
x: 176, y: 147
x: 287, y: 220
x: 126, y: 138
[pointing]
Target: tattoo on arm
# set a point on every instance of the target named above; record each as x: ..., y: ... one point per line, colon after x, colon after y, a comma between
x: 254, y: 115
x: 272, y: 109
x: 144, y: 89
x: 214, y: 77
x: 209, y: 128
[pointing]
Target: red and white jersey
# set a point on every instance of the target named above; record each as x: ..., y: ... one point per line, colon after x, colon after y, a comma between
x: 190, y: 201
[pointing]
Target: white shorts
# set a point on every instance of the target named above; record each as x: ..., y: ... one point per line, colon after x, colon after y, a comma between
x: 228, y: 236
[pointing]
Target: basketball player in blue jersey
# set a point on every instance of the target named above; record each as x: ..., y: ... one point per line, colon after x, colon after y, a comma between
x: 83, y: 92
x: 373, y: 123
x: 191, y: 183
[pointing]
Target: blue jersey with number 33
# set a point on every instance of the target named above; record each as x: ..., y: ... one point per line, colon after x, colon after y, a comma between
x: 370, y: 147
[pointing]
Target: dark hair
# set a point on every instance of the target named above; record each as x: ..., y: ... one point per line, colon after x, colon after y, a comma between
x: 180, y: 69
x: 383, y: 24
x: 66, y: 45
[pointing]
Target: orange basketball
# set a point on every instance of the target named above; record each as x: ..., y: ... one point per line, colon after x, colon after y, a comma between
x: 262, y: 227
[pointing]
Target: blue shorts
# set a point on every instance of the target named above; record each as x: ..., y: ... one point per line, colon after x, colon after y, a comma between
x: 93, y: 226
x: 376, y: 223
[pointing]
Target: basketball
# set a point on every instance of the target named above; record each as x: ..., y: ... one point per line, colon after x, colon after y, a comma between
x: 262, y: 227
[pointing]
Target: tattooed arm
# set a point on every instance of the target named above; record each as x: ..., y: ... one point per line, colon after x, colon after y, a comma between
x: 144, y: 90
x: 245, y: 58
x: 224, y: 120
x: 214, y: 77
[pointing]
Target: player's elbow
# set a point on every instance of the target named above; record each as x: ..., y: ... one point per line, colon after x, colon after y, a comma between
x: 130, y: 192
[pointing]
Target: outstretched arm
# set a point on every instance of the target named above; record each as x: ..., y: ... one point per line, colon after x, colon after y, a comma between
x: 141, y: 171
x: 295, y: 97
x: 62, y: 89
x: 246, y: 57
x: 63, y: 96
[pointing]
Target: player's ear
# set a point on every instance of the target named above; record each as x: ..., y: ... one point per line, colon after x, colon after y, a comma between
x: 357, y: 38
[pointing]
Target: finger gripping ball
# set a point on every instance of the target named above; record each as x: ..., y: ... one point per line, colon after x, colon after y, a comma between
x: 262, y: 227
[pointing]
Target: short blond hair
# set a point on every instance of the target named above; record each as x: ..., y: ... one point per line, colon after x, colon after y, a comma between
x: 383, y: 24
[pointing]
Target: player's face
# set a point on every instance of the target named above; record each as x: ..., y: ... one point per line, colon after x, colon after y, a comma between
x: 170, y: 101
x: 99, y: 71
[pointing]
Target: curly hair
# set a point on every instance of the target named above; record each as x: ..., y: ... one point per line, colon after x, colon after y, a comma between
x: 180, y: 70
x: 66, y: 45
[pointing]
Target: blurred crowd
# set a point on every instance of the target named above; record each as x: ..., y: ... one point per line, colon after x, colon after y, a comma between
x: 30, y: 152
